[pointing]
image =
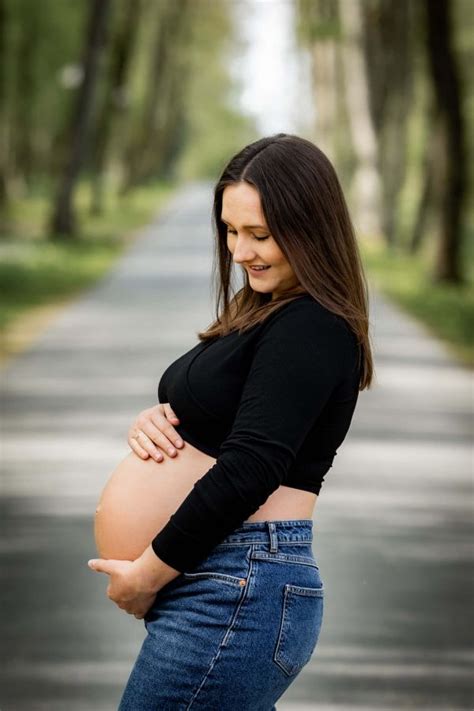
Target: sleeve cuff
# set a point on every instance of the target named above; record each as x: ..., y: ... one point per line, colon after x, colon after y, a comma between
x: 178, y: 550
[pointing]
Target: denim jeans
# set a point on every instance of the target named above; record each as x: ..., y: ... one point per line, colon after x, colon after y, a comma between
x: 234, y: 633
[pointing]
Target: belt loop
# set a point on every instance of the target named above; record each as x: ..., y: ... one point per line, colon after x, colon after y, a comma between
x: 273, y: 537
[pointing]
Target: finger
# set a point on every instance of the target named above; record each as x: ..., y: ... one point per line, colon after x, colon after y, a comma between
x: 142, y: 442
x: 137, y: 448
x: 134, y: 443
x: 149, y: 445
x: 164, y: 427
x: 161, y: 434
x: 102, y: 566
x: 169, y: 413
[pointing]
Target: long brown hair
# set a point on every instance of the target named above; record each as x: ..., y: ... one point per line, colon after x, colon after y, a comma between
x: 306, y: 213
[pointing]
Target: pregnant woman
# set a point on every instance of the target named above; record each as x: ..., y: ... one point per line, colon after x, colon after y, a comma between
x: 211, y: 545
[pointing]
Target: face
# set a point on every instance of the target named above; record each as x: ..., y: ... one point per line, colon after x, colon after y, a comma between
x: 250, y: 242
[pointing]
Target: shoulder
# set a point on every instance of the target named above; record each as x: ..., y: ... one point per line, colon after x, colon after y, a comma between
x: 307, y: 313
x: 306, y: 330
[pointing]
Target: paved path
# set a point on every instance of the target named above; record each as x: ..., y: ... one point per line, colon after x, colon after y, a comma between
x: 392, y: 525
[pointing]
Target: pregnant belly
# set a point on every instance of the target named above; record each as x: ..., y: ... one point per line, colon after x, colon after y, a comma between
x: 140, y: 496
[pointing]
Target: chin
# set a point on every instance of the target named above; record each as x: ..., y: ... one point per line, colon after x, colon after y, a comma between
x: 262, y: 291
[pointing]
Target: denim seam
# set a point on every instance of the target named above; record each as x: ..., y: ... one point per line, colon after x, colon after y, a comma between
x: 265, y: 541
x: 241, y: 601
x: 225, y: 638
x: 231, y: 580
x: 277, y: 558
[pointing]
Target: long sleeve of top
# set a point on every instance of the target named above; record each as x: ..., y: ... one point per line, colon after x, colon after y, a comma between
x: 300, y: 359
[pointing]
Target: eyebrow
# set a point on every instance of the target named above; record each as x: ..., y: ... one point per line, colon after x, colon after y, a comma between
x: 253, y: 226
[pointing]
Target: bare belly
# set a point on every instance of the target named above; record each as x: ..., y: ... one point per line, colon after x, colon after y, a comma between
x: 140, y: 496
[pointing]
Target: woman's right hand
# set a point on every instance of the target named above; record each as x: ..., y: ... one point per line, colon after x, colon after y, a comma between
x: 152, y: 431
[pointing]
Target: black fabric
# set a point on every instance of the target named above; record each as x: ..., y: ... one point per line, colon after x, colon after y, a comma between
x: 272, y: 405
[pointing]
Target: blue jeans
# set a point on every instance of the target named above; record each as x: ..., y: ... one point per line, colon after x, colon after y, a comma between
x: 235, y: 632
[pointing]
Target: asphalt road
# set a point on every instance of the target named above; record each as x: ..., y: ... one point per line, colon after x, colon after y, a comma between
x: 393, y: 524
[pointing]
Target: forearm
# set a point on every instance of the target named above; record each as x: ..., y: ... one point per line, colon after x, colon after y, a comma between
x: 154, y: 572
x: 232, y: 490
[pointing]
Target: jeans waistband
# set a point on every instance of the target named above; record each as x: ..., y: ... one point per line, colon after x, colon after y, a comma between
x: 272, y: 532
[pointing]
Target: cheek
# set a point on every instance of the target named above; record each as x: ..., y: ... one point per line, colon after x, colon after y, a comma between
x: 281, y: 262
x: 275, y: 257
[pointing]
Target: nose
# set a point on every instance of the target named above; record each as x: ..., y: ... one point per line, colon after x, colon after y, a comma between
x: 243, y: 252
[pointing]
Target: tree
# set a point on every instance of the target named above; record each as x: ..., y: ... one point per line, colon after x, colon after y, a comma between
x: 63, y: 220
x: 367, y: 184
x: 166, y: 83
x: 388, y: 43
x: 451, y: 170
x: 3, y: 117
x: 115, y: 100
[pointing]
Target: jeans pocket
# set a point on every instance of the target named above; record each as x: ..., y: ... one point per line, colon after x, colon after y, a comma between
x: 228, y: 566
x: 300, y: 625
x: 231, y: 580
x: 297, y: 558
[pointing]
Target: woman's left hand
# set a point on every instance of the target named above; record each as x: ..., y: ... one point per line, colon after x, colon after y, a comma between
x: 127, y: 586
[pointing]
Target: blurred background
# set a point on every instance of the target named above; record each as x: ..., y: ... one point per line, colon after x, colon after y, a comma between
x: 107, y: 106
x: 116, y: 117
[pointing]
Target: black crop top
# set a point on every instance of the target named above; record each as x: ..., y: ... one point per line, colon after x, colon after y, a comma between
x: 272, y: 405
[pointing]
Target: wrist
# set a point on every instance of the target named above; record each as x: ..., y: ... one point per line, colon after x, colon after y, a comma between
x: 153, y: 572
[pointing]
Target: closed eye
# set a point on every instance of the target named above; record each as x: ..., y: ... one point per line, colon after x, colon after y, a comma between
x: 259, y: 239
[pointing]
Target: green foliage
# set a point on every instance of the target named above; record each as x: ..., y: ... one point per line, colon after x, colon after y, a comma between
x: 317, y: 20
x: 464, y: 43
x: 35, y: 271
x: 447, y: 310
x: 42, y: 61
x: 216, y: 129
x: 42, y: 40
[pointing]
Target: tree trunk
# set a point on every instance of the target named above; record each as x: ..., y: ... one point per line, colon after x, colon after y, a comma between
x: 367, y: 185
x: 121, y: 54
x: 24, y: 103
x: 323, y: 17
x: 3, y: 120
x: 452, y: 170
x: 139, y: 160
x: 419, y: 228
x: 431, y: 184
x: 388, y: 29
x: 64, y: 220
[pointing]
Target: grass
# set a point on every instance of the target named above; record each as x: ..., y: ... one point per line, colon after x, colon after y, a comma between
x: 446, y: 310
x: 39, y: 275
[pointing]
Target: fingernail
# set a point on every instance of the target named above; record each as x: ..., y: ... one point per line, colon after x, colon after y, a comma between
x: 171, y: 450
x: 179, y: 442
x: 91, y: 563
